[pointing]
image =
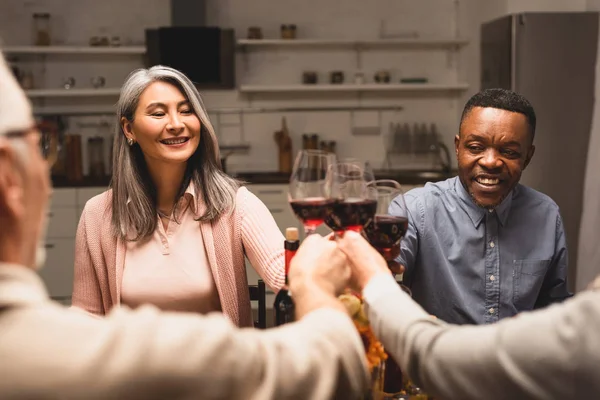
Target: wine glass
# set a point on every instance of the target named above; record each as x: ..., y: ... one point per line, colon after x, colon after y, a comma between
x: 364, y: 165
x: 355, y: 202
x: 386, y: 231
x: 385, y: 234
x: 310, y: 188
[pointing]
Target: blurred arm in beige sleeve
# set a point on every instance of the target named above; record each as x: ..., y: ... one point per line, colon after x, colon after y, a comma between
x: 548, y: 354
x: 146, y: 354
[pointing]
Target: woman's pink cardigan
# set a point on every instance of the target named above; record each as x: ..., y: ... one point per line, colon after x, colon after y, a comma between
x: 250, y: 229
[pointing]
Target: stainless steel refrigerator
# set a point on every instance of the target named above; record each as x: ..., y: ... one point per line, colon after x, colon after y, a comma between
x: 550, y: 58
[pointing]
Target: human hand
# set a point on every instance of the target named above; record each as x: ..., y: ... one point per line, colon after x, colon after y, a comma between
x: 390, y: 256
x: 319, y: 263
x: 365, y: 262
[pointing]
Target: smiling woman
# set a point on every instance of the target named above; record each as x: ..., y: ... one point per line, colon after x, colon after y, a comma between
x: 174, y: 228
x: 164, y: 125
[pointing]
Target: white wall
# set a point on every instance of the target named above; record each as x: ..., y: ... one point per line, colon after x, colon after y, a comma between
x: 319, y: 19
x: 518, y: 6
x: 73, y: 23
x: 593, y: 5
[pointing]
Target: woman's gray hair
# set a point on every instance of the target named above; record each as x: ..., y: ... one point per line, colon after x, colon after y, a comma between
x: 134, y: 210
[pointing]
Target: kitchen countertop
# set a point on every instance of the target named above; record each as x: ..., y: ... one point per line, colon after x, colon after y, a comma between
x: 406, y: 177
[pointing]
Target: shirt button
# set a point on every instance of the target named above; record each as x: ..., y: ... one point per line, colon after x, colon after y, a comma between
x: 491, y: 210
x: 492, y: 310
x: 492, y: 245
x: 492, y: 278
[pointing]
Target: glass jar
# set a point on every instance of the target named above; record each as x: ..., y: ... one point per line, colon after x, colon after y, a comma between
x: 41, y: 29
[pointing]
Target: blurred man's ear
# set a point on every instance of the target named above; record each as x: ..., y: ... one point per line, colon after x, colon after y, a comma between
x: 11, y: 182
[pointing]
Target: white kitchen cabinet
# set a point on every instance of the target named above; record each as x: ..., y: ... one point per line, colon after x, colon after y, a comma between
x: 63, y: 217
x: 62, y: 222
x: 270, y: 193
x: 58, y: 270
x: 63, y: 197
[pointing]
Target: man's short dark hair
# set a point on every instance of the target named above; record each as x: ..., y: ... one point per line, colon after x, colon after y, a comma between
x: 502, y: 99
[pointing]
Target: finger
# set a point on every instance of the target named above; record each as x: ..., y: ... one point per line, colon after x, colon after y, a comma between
x: 353, y: 243
x: 396, y: 267
x: 337, y: 257
x: 312, y: 239
x: 330, y: 236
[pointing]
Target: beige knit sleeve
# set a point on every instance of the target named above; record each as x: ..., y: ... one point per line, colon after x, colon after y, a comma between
x: 547, y: 354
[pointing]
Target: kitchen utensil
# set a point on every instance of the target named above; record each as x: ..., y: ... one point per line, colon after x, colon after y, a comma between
x: 16, y: 71
x: 332, y: 147
x: 314, y: 141
x: 69, y: 83
x: 41, y: 29
x: 74, y: 159
x: 284, y: 144
x: 288, y: 31
x: 115, y: 41
x: 96, y: 157
x: 359, y: 78
x: 382, y: 76
x: 309, y: 77
x: 336, y: 77
x: 27, y: 81
x: 98, y: 82
x: 440, y: 152
x: 414, y: 80
x: 254, y: 32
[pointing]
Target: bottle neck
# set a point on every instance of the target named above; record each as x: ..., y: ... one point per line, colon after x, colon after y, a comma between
x: 289, y: 254
x: 290, y: 251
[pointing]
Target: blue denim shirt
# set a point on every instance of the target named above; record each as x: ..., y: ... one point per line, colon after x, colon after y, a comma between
x: 469, y: 265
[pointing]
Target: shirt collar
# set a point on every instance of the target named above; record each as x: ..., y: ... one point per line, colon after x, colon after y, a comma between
x: 476, y: 213
x: 188, y: 196
x: 20, y: 285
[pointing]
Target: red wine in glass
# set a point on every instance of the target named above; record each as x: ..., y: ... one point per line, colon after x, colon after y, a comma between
x: 386, y: 231
x: 310, y: 188
x: 312, y: 211
x: 351, y: 214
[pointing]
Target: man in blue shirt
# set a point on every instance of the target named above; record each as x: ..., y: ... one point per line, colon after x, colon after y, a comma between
x: 480, y: 246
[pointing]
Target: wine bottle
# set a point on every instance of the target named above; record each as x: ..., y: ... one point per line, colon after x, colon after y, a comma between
x: 284, y: 304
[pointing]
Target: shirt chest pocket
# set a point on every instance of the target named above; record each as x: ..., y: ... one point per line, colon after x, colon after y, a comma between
x: 528, y: 277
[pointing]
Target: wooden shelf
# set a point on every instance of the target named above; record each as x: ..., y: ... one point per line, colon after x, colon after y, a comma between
x: 383, y: 87
x: 73, y: 92
x: 409, y: 43
x: 120, y: 50
x: 75, y: 110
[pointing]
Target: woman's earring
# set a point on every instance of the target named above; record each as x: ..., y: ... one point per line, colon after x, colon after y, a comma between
x: 130, y: 141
